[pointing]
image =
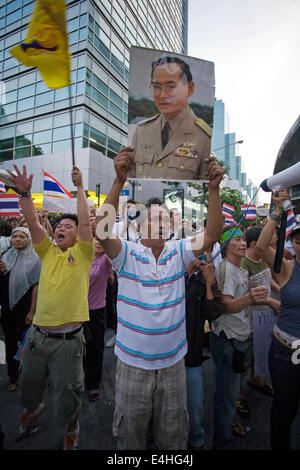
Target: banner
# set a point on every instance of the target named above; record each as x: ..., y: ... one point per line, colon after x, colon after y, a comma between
x: 63, y: 205
x: 46, y: 45
x: 171, y: 106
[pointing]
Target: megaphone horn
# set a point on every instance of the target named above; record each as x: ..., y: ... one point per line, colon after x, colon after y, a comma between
x: 283, y: 179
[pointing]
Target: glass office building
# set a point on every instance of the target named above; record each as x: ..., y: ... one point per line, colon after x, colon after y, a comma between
x: 35, y: 120
x: 218, y: 136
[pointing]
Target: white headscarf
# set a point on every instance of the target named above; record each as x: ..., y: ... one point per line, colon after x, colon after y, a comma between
x: 24, y: 267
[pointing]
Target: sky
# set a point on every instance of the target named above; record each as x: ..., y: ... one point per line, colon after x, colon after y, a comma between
x: 255, y: 46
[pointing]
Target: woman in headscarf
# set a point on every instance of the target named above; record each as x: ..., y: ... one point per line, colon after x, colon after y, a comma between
x: 20, y: 267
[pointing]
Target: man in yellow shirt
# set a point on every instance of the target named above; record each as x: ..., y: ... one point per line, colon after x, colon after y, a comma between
x: 54, y: 344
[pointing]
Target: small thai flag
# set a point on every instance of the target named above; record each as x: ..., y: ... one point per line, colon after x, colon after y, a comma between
x: 290, y: 222
x: 2, y: 186
x: 249, y: 211
x: 227, y: 210
x: 19, y: 354
x: 229, y: 221
x: 9, y: 205
x: 53, y: 188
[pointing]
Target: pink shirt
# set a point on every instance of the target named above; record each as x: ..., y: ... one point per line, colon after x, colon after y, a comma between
x: 99, y: 274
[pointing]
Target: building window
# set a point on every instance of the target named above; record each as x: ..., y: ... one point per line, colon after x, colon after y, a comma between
x: 25, y: 104
x: 100, y: 85
x: 42, y: 137
x: 6, y: 143
x: 6, y: 155
x: 22, y: 140
x: 97, y: 96
x: 23, y: 152
x: 61, y: 133
x: 26, y: 91
x: 113, y: 145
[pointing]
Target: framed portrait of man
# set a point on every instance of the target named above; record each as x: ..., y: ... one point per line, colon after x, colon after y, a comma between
x: 170, y: 118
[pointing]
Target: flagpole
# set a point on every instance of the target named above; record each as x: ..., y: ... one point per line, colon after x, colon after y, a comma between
x: 71, y: 123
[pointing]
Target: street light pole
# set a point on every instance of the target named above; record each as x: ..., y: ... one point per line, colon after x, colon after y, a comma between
x: 133, y: 185
x: 98, y: 185
x: 133, y: 189
x: 225, y: 146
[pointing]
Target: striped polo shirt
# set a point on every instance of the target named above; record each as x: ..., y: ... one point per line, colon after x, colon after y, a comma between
x: 151, y: 332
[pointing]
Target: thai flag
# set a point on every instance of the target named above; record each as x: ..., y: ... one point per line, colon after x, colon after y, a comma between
x: 53, y: 188
x: 249, y: 211
x: 290, y: 222
x: 9, y: 205
x: 2, y: 186
x: 229, y: 220
x: 227, y: 210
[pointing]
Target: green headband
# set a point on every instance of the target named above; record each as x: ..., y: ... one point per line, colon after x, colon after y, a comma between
x: 231, y: 233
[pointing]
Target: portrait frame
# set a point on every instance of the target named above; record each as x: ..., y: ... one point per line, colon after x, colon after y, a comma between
x: 144, y: 114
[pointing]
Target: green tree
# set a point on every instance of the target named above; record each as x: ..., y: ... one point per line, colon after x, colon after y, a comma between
x: 201, y: 188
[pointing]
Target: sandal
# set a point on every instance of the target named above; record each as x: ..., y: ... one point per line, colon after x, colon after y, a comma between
x: 242, y: 408
x: 12, y: 386
x: 238, y: 429
x: 93, y: 396
x: 265, y: 390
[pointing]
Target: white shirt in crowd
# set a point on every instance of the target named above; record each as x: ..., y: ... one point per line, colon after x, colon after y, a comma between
x: 151, y: 332
x: 232, y: 280
x: 129, y: 233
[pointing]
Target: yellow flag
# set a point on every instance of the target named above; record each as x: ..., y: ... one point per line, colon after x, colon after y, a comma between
x: 11, y: 191
x: 46, y: 45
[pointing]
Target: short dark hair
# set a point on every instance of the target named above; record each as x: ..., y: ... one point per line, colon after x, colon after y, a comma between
x: 291, y: 236
x: 5, y: 228
x: 65, y: 216
x: 186, y: 72
x: 252, y: 235
x: 154, y: 201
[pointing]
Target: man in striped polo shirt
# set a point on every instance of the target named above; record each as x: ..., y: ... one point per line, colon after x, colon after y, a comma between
x: 151, y: 334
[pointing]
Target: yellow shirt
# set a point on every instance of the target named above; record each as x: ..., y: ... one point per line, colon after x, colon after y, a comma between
x: 64, y: 283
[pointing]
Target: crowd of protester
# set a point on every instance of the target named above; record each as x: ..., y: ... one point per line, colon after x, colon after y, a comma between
x: 169, y: 298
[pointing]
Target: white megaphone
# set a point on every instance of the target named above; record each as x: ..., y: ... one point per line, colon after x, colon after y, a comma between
x: 283, y: 179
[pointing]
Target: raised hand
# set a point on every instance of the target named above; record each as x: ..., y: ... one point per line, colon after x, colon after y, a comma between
x: 77, y: 177
x: 279, y: 197
x: 123, y: 162
x: 22, y: 182
x: 214, y: 173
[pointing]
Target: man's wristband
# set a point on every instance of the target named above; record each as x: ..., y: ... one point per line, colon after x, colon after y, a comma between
x: 24, y: 195
x: 275, y: 217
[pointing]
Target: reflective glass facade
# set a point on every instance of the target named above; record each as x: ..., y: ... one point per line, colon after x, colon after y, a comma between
x: 35, y: 120
x: 218, y: 136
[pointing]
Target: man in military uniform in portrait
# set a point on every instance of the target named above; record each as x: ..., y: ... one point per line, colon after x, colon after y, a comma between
x: 171, y: 145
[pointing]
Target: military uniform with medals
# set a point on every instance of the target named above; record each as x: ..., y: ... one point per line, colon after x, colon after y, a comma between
x: 182, y: 157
